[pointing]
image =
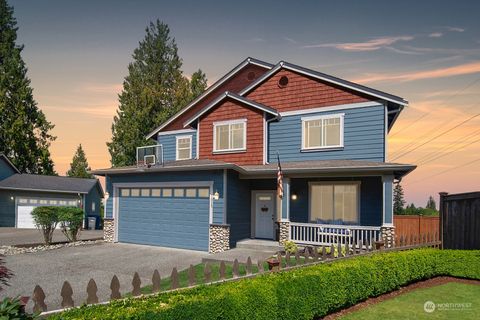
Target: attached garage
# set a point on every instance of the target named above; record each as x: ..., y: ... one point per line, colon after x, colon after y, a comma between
x: 171, y: 216
x: 25, y: 205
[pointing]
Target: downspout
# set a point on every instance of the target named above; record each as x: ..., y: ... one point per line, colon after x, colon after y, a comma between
x: 267, y: 122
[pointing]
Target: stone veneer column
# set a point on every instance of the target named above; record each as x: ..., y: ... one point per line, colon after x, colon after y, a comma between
x: 109, y: 230
x: 219, y: 238
x: 284, y: 234
x: 388, y: 236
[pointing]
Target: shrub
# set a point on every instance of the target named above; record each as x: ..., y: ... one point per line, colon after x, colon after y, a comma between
x: 46, y: 219
x: 12, y: 308
x: 71, y: 220
x: 303, y: 293
x: 5, y: 274
x: 290, y: 247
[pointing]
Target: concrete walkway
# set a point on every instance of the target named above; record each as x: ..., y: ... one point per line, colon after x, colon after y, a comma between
x: 14, y: 236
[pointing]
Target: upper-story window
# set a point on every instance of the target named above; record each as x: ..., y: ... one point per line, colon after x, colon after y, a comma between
x: 230, y: 135
x: 184, y: 147
x: 322, y: 132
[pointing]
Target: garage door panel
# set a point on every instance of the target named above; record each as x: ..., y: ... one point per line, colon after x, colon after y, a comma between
x: 173, y: 222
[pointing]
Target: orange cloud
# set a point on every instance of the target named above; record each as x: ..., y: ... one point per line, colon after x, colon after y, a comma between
x: 467, y: 68
x: 370, y: 45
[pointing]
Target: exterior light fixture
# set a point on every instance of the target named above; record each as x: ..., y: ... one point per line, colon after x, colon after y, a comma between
x: 12, y: 198
x: 294, y: 196
x: 215, y: 196
x: 107, y: 195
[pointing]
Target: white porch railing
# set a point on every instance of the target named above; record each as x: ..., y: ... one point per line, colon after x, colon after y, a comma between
x: 327, y: 234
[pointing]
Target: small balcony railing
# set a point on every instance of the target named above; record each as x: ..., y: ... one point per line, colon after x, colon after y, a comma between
x: 150, y: 156
x: 327, y: 234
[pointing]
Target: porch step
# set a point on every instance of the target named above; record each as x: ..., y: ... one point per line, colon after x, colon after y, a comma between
x: 260, y: 245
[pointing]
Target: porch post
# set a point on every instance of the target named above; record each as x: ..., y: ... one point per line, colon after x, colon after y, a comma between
x: 388, y: 229
x: 284, y: 223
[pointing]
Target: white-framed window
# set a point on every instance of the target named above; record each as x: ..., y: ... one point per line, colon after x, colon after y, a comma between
x: 334, y: 202
x: 322, y: 132
x: 184, y: 147
x: 93, y: 206
x: 230, y: 136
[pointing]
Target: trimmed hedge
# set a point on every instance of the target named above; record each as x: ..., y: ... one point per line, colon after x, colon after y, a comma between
x: 303, y: 293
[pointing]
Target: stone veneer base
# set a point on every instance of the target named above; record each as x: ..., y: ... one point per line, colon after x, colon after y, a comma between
x: 388, y: 236
x: 284, y: 227
x: 109, y: 230
x: 219, y: 238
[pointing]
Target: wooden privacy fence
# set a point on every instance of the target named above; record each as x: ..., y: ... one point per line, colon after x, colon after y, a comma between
x: 460, y: 220
x: 280, y: 261
x: 410, y: 225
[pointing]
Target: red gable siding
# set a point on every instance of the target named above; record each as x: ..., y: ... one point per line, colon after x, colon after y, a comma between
x: 301, y: 92
x: 231, y: 111
x: 234, y: 84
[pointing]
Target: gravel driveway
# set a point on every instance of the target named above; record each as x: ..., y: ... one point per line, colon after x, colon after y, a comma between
x: 100, y: 261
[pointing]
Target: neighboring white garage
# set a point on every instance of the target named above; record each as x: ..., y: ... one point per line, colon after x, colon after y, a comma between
x: 25, y: 206
x: 175, y: 217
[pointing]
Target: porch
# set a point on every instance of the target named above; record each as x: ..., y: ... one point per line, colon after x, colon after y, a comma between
x: 318, y: 211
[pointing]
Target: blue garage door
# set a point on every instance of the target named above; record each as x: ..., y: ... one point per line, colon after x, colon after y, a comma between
x: 169, y: 217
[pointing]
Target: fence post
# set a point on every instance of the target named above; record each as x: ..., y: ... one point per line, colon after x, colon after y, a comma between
x: 115, y: 288
x: 92, y: 292
x: 136, y: 283
x: 442, y: 208
x: 39, y: 299
x: 67, y: 295
x: 156, y: 281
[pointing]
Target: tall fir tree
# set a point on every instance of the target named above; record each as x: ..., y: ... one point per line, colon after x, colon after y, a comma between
x: 79, y: 166
x: 24, y: 130
x: 154, y: 89
x: 431, y: 204
x: 398, y: 199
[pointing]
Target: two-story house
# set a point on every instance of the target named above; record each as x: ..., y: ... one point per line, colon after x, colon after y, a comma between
x: 211, y: 178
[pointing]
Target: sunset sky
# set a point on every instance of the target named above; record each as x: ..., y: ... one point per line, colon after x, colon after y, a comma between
x: 427, y: 52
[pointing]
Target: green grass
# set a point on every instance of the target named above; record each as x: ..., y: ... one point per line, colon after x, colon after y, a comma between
x: 411, y: 305
x: 165, y: 283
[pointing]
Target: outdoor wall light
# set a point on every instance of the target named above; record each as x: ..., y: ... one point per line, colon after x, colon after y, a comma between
x: 12, y: 198
x: 294, y: 196
x: 216, y: 196
x: 107, y: 195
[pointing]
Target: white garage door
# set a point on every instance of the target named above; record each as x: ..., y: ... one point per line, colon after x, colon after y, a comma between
x: 25, y: 207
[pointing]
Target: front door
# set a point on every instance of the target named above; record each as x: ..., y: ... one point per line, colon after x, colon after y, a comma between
x: 264, y: 214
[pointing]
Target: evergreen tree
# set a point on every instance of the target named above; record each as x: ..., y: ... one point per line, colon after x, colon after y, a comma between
x: 431, y: 204
x: 153, y: 91
x: 24, y: 130
x: 398, y: 199
x: 79, y: 167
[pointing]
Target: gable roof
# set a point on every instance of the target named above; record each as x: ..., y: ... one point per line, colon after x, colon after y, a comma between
x: 327, y: 78
x: 236, y: 97
x: 210, y: 89
x: 43, y: 183
x: 7, y: 161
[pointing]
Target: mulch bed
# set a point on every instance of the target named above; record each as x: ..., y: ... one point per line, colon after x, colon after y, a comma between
x: 418, y: 285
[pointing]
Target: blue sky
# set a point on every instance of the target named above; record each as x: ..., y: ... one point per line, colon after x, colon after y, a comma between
x: 425, y: 51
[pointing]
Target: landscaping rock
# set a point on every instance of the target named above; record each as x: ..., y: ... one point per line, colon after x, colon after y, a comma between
x: 11, y: 250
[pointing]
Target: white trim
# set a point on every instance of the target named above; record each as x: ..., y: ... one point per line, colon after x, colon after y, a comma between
x: 324, y: 117
x: 385, y: 131
x: 331, y: 108
x: 176, y: 146
x: 234, y: 97
x: 166, y: 133
x: 229, y: 123
x: 286, y: 195
x: 357, y: 183
x: 264, y: 138
x: 209, y: 90
x: 197, y: 147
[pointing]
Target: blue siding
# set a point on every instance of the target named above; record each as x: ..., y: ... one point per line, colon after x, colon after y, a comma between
x: 94, y: 196
x: 169, y: 143
x: 214, y: 175
x: 371, y: 202
x: 172, y: 222
x: 238, y: 208
x: 363, y: 136
x: 5, y: 169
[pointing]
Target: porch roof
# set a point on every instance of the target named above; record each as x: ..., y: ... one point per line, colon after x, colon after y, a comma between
x: 325, y: 167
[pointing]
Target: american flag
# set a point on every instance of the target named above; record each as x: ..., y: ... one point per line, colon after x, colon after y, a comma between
x: 279, y: 179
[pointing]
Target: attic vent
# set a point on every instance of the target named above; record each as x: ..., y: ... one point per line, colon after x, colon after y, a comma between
x: 251, y: 75
x: 283, y: 81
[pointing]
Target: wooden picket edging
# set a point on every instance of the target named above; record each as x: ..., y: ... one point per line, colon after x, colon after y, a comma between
x: 281, y: 261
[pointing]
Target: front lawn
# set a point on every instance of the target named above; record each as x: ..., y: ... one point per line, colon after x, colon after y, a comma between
x: 411, y: 304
